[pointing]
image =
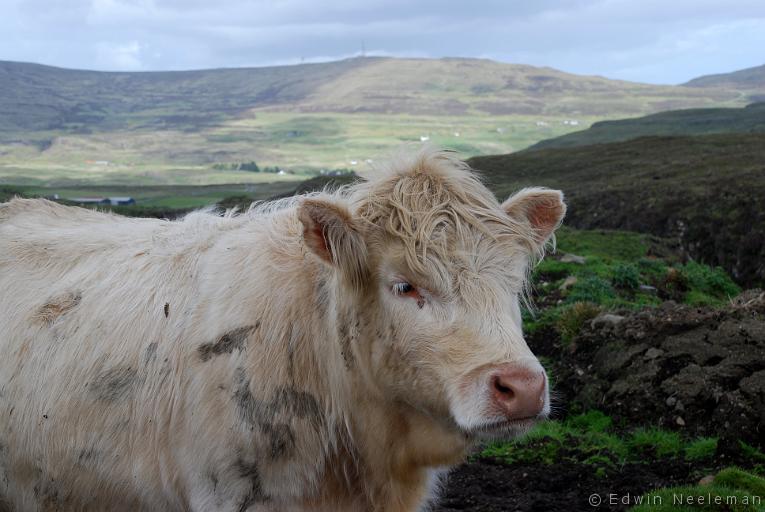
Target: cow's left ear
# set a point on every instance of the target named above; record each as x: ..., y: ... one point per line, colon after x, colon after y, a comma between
x: 330, y: 232
x: 542, y: 208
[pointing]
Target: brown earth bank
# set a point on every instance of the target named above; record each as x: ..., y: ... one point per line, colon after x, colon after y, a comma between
x: 697, y: 370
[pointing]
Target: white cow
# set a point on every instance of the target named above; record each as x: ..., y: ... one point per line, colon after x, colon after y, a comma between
x: 333, y: 352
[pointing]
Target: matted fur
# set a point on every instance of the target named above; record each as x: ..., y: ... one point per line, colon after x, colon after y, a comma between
x: 216, y: 363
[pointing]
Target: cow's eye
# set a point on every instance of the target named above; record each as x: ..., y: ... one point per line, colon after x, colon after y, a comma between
x: 404, y: 289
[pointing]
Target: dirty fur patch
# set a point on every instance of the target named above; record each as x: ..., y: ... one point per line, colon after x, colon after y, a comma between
x: 255, y: 494
x: 273, y: 417
x: 227, y: 343
x: 114, y: 384
x: 57, y: 306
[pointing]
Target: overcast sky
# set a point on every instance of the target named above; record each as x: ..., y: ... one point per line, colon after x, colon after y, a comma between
x: 658, y: 41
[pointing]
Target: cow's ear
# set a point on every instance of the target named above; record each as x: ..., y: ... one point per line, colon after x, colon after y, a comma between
x: 330, y: 232
x: 542, y: 208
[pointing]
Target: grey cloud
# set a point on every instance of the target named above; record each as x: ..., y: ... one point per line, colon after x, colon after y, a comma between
x: 650, y: 40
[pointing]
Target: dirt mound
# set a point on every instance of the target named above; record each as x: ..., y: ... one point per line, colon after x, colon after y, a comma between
x: 697, y: 370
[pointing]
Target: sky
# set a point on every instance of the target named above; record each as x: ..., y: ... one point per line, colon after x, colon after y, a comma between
x: 654, y: 41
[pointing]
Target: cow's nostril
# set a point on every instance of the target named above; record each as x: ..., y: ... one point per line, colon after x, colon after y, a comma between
x: 504, y: 390
x: 519, y: 391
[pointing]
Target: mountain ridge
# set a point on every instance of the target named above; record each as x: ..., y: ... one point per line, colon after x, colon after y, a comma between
x: 38, y: 97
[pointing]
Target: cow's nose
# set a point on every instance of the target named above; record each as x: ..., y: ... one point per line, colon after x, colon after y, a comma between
x: 519, y: 391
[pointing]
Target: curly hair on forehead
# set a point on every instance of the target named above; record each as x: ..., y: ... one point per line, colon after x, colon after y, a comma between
x: 434, y: 202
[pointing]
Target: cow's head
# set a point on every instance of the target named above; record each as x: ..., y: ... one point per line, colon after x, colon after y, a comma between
x: 434, y: 269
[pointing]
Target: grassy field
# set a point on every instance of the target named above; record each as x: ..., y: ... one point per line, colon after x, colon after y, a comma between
x: 70, y: 127
x: 166, y: 197
x: 301, y: 143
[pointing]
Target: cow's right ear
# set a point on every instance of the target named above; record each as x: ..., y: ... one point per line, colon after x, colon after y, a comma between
x: 331, y: 234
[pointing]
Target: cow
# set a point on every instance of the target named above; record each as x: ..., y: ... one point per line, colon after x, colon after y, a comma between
x: 337, y: 351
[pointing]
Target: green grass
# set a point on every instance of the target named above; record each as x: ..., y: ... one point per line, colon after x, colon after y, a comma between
x: 616, y: 265
x: 592, y: 438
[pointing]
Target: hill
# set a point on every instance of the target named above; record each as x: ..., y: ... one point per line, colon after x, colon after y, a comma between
x: 708, y: 191
x: 750, y: 119
x: 37, y: 97
x: 751, y: 80
x: 77, y: 127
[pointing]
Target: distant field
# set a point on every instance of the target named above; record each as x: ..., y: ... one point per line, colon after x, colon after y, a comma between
x: 167, y: 197
x: 304, y: 143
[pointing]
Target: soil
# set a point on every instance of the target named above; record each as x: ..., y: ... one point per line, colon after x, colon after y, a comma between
x: 489, y: 485
x: 700, y: 371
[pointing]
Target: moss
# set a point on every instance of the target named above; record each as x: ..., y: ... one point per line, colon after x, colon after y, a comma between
x: 701, y: 448
x: 732, y: 489
x: 661, y: 442
x: 593, y: 421
x: 736, y: 478
x: 589, y: 438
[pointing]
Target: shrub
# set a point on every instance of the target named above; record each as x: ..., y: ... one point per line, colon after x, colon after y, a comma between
x: 571, y: 319
x: 626, y: 276
x: 592, y: 289
x: 708, y: 280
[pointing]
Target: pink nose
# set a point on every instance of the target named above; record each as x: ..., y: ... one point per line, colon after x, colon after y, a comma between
x: 518, y: 391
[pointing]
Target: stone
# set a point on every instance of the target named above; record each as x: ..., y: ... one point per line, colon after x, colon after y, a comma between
x: 568, y: 283
x: 707, y: 480
x: 653, y: 353
x: 606, y: 319
x: 573, y: 258
x: 680, y: 421
x: 646, y: 288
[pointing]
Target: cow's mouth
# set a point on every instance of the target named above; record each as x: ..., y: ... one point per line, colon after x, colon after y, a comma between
x: 503, y: 429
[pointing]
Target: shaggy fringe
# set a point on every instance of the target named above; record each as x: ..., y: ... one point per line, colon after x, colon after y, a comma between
x: 432, y: 202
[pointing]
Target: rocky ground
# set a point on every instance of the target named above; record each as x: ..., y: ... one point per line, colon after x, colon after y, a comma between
x: 698, y: 370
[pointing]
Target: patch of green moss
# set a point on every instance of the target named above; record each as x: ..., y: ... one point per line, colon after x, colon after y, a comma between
x: 662, y: 443
x: 591, y: 438
x: 732, y: 489
x: 701, y: 448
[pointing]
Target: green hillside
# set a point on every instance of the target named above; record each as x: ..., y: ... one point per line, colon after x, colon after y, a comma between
x: 40, y: 98
x: 750, y: 119
x: 750, y: 80
x: 73, y: 127
x: 707, y: 190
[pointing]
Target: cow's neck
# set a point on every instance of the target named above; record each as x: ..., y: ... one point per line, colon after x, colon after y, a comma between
x: 390, y: 447
x: 396, y: 447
